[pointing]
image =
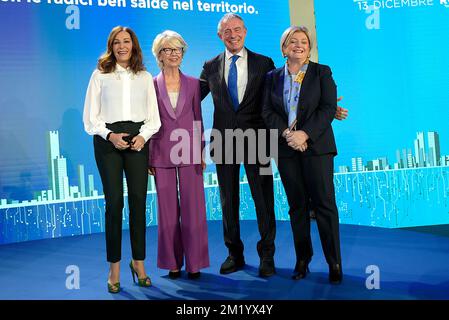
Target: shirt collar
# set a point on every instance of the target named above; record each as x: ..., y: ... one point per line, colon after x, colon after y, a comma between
x: 242, y: 54
x: 303, y: 69
x: 286, y: 72
x: 119, y: 68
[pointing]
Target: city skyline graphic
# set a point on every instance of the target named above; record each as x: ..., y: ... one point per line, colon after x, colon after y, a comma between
x: 376, y: 193
x: 413, y: 191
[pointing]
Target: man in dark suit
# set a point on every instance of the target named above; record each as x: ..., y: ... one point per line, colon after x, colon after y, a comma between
x: 236, y: 80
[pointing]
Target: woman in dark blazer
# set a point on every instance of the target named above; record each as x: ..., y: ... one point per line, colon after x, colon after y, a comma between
x: 300, y: 101
x: 176, y: 161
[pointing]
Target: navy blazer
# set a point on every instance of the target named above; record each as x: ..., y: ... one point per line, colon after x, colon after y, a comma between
x: 317, y: 106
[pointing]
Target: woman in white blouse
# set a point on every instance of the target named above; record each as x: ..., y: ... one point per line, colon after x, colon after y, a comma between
x: 121, y: 112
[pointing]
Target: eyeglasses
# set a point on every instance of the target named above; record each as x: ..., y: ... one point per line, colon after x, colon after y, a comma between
x: 169, y: 51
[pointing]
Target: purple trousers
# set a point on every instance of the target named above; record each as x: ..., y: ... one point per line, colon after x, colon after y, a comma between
x: 182, y: 227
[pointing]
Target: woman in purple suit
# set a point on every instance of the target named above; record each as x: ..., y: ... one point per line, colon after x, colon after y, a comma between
x: 176, y: 161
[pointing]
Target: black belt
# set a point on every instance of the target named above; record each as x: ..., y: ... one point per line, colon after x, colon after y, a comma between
x: 125, y: 127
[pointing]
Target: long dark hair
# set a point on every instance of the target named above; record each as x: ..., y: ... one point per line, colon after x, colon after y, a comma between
x: 107, y: 61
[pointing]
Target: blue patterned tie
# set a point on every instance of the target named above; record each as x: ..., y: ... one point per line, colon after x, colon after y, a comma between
x: 232, y: 83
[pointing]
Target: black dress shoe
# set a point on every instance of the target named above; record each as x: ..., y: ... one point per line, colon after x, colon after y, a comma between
x: 301, y: 270
x: 335, y: 274
x: 266, y: 267
x: 232, y: 264
x: 193, y: 275
x: 174, y: 274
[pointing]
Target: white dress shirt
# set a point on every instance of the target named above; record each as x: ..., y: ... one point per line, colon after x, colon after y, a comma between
x: 242, y: 70
x: 121, y: 96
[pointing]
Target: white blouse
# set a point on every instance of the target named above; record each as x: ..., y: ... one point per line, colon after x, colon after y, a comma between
x: 173, y: 99
x: 121, y: 96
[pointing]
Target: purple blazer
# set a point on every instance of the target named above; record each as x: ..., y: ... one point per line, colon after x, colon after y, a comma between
x: 184, y: 126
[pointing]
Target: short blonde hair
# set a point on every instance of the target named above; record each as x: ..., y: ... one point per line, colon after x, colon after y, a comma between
x: 170, y: 38
x: 288, y: 34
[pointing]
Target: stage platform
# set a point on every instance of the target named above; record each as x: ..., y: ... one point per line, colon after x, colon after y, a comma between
x: 413, y: 264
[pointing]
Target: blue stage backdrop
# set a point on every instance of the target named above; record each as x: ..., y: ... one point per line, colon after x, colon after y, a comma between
x: 389, y: 61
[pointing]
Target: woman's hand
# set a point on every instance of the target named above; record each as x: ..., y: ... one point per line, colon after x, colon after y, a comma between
x: 152, y: 171
x: 118, y: 142
x: 137, y: 143
x: 297, y: 140
x: 302, y: 147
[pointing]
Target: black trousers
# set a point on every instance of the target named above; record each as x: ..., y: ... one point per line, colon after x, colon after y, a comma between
x: 309, y: 181
x: 111, y: 164
x: 262, y: 192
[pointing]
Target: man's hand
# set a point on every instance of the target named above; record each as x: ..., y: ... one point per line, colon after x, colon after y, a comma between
x: 341, y: 113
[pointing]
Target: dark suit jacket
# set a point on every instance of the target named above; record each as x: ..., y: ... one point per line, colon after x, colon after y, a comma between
x: 249, y: 113
x: 317, y: 107
x: 187, y: 117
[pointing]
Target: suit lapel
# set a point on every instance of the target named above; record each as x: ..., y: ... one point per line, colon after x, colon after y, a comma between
x: 182, y: 95
x: 224, y: 87
x: 306, y: 81
x: 278, y: 81
x: 252, y: 70
x: 221, y: 66
x: 164, y: 95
